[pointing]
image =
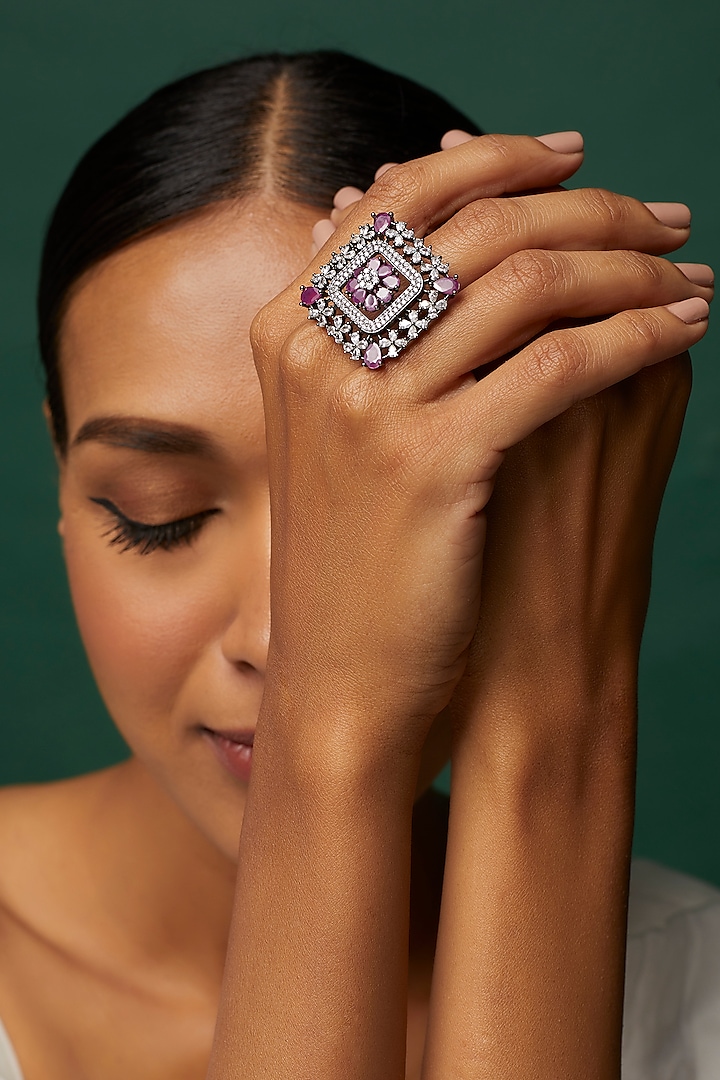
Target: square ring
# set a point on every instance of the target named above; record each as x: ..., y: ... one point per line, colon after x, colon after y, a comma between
x: 379, y: 291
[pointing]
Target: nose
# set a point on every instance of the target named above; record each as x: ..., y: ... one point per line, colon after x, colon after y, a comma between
x: 246, y: 636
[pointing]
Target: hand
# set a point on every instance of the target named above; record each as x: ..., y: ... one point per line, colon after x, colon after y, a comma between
x: 568, y: 558
x: 379, y: 480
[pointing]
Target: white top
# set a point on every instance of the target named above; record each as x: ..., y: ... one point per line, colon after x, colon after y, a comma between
x: 672, y: 986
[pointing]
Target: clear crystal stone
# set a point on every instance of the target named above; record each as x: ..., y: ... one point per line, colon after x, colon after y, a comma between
x: 424, y: 305
x: 415, y: 257
x: 401, y: 343
x: 413, y: 332
x: 346, y: 250
x: 404, y: 324
x: 355, y: 338
x: 338, y: 321
x: 347, y: 347
x: 422, y: 324
x: 393, y: 350
x: 321, y: 320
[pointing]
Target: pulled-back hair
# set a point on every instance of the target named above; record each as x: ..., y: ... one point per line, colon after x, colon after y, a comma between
x: 300, y: 125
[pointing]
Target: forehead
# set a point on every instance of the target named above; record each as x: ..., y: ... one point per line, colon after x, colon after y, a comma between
x: 160, y: 328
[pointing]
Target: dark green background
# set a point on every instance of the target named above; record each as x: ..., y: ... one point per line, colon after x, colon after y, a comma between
x: 641, y: 80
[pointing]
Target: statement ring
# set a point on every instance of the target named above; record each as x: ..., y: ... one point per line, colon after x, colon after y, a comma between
x: 379, y: 291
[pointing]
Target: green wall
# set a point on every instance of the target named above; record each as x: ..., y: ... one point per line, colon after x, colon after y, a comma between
x: 640, y: 79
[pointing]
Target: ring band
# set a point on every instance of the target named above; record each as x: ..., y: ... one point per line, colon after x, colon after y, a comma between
x: 379, y: 291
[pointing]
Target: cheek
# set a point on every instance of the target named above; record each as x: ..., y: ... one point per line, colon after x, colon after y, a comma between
x: 143, y: 622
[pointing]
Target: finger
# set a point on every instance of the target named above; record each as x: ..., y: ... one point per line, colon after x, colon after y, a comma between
x: 384, y: 168
x: 322, y: 231
x: 454, y: 137
x: 700, y: 273
x: 485, y: 232
x: 427, y: 191
x: 521, y: 297
x: 346, y: 196
x: 565, y: 366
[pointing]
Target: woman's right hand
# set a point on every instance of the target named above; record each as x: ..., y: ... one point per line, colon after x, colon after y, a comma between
x: 379, y: 479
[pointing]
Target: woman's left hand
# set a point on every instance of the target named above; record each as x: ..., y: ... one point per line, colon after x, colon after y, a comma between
x: 544, y: 726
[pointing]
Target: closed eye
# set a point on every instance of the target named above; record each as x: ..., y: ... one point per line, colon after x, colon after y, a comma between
x: 145, y: 538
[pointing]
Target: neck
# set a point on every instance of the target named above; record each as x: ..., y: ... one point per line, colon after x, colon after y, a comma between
x: 164, y: 887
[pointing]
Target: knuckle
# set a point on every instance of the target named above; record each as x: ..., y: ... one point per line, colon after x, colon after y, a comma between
x: 532, y: 272
x: 484, y: 221
x: 263, y: 332
x: 354, y: 399
x: 645, y: 331
x: 645, y: 268
x: 300, y: 354
x: 400, y: 185
x: 558, y: 358
x: 495, y: 146
x: 612, y: 208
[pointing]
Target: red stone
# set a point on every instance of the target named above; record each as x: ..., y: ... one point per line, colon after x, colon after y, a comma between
x: 309, y: 295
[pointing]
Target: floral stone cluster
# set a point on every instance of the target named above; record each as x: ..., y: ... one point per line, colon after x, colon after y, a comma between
x: 379, y: 291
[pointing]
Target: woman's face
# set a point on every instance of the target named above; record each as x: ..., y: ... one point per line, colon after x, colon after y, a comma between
x: 166, y: 424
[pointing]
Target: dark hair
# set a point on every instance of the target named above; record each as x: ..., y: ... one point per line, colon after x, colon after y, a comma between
x: 301, y: 125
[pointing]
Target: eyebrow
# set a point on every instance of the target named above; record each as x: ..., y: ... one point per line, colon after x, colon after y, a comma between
x: 146, y: 435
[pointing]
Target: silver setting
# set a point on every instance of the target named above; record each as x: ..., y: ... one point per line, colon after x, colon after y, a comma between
x: 407, y: 315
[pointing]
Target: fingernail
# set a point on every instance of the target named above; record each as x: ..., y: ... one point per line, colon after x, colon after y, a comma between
x: 322, y: 231
x: 345, y: 196
x: 690, y: 311
x: 384, y: 168
x: 675, y: 214
x: 563, y: 142
x: 454, y: 137
x: 698, y: 273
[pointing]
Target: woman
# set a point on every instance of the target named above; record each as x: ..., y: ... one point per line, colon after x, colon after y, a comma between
x: 187, y: 394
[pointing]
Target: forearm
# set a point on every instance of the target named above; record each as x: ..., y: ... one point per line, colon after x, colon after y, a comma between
x: 316, y: 975
x: 529, y: 968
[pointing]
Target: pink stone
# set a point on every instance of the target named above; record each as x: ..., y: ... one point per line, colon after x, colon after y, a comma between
x: 351, y: 285
x: 384, y: 295
x: 384, y: 270
x: 372, y: 356
x: 309, y: 295
x: 446, y: 285
x: 371, y: 302
x: 373, y: 264
x: 391, y: 281
x: 382, y: 222
x: 359, y: 295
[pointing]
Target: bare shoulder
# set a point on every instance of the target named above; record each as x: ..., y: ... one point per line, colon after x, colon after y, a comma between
x: 38, y: 823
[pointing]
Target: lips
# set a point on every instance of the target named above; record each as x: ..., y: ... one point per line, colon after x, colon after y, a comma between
x: 233, y: 749
x: 245, y: 737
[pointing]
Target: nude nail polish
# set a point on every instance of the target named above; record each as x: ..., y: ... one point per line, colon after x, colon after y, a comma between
x: 563, y: 142
x: 346, y: 196
x: 675, y: 214
x: 455, y: 137
x: 698, y: 273
x: 322, y: 231
x: 693, y: 310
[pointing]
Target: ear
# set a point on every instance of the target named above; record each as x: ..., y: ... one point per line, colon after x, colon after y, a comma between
x: 58, y: 459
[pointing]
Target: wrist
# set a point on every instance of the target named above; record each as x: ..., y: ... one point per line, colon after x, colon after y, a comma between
x: 315, y: 744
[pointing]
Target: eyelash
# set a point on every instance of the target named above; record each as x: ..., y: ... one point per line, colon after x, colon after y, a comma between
x: 147, y: 538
